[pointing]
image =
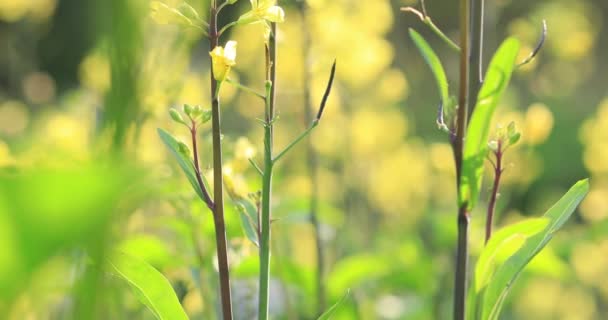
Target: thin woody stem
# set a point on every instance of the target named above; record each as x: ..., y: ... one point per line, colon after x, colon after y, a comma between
x: 218, y: 197
x: 463, y: 218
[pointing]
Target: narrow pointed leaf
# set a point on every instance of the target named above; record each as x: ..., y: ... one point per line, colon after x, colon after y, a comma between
x: 503, y: 277
x: 149, y: 285
x: 249, y: 217
x: 184, y: 162
x: 434, y: 63
x: 476, y: 143
x: 503, y: 244
x: 330, y: 312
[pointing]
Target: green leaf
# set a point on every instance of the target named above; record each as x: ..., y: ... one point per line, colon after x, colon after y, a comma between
x: 476, y: 142
x: 434, y: 63
x: 503, y: 277
x: 327, y: 314
x: 150, y: 286
x: 249, y: 216
x: 184, y: 162
x: 503, y: 244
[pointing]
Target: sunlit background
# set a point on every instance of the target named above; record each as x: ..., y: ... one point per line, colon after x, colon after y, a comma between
x: 85, y: 84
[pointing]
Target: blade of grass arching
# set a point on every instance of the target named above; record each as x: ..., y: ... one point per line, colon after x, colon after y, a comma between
x: 504, y: 276
x: 149, y: 285
x: 434, y: 63
x: 475, y: 148
x: 330, y: 312
x: 182, y: 159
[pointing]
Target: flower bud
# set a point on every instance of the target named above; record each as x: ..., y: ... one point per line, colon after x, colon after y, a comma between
x: 176, y: 116
x: 188, y: 110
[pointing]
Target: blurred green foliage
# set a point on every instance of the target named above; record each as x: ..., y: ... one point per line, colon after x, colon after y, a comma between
x: 84, y: 81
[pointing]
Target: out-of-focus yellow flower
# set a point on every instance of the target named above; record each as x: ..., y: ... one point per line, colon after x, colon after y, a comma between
x: 263, y: 10
x: 223, y: 59
x: 539, y: 123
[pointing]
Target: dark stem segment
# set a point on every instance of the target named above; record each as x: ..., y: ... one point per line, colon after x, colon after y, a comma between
x: 218, y: 194
x: 492, y: 204
x: 462, y: 259
x: 460, y: 279
x: 475, y: 52
x: 312, y: 165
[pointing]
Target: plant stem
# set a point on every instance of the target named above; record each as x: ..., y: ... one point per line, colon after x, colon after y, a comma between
x: 267, y: 177
x: 492, y: 204
x: 460, y: 279
x: 475, y: 52
x: 312, y: 165
x: 218, y: 194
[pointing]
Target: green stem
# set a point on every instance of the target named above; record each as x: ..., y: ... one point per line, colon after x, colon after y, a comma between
x: 427, y: 20
x: 218, y: 194
x: 246, y: 89
x: 257, y: 168
x: 226, y: 27
x: 267, y: 177
x: 296, y: 140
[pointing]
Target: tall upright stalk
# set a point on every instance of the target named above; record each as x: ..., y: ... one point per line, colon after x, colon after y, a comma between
x: 218, y: 194
x: 312, y: 164
x: 267, y: 175
x: 462, y: 254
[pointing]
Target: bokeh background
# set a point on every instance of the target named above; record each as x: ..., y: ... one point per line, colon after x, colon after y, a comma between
x: 84, y: 85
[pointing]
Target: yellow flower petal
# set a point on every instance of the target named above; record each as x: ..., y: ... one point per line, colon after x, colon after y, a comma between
x: 222, y: 59
x: 275, y: 14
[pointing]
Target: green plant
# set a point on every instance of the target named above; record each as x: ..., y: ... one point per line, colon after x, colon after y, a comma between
x: 256, y: 216
x: 468, y: 122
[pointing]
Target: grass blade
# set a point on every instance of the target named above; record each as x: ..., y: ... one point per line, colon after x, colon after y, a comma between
x: 434, y: 63
x: 150, y: 286
x: 476, y: 143
x: 505, y: 274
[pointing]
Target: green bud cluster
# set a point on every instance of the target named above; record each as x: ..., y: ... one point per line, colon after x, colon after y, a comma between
x: 194, y: 113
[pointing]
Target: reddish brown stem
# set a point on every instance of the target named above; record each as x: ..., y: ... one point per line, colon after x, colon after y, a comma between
x: 494, y: 195
x: 218, y: 192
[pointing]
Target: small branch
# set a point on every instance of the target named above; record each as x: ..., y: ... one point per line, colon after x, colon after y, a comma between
x: 315, y: 122
x: 246, y: 89
x: 226, y: 27
x: 257, y: 168
x: 427, y: 20
x: 494, y: 195
x: 296, y: 140
x: 539, y: 45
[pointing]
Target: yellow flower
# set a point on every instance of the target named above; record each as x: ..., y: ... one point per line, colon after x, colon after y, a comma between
x: 222, y: 59
x: 263, y: 11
